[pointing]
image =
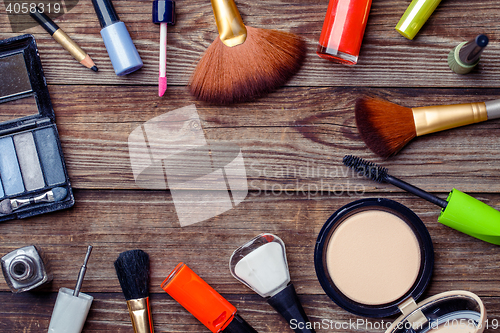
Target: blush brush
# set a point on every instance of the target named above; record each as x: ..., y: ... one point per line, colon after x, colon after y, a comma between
x: 459, y: 211
x: 386, y: 127
x: 132, y: 269
x: 244, y: 62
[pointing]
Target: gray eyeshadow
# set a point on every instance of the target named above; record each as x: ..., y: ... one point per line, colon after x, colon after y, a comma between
x: 14, y: 75
x: 49, y: 156
x: 9, y: 168
x: 28, y: 161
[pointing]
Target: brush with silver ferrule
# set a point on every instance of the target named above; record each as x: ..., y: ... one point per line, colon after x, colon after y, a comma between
x: 7, y: 206
x: 132, y: 269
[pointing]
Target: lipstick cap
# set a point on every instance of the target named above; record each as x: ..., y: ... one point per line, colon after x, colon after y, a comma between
x: 471, y: 216
x: 69, y: 312
x: 164, y: 12
x: 201, y: 300
x: 415, y: 17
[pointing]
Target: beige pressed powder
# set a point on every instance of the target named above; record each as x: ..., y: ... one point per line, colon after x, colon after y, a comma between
x: 373, y: 257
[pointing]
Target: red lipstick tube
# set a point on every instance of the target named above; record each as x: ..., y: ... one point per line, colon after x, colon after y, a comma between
x: 343, y: 30
x: 203, y: 302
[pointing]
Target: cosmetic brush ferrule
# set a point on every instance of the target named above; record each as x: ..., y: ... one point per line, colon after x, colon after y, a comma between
x: 430, y: 119
x: 232, y: 31
x: 140, y: 315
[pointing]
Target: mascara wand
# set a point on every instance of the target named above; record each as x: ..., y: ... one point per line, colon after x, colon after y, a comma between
x: 459, y: 211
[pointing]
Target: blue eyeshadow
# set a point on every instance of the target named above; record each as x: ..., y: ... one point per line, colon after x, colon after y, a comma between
x: 50, y: 157
x: 9, y: 168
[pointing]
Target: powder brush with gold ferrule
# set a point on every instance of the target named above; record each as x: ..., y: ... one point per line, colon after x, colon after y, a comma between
x: 244, y: 62
x: 132, y: 269
x: 387, y: 127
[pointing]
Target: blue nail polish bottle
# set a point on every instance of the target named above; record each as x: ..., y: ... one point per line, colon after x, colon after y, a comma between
x: 121, y: 49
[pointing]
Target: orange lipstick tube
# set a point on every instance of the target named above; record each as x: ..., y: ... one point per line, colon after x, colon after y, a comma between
x: 203, y: 302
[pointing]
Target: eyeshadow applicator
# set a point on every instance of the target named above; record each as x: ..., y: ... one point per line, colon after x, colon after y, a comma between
x: 261, y: 265
x: 459, y: 211
x: 7, y: 206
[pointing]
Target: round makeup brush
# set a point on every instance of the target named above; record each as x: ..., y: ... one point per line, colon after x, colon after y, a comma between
x: 244, y: 62
x: 386, y: 127
x: 132, y: 269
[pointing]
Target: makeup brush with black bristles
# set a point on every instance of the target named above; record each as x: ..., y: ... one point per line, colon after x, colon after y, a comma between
x: 460, y: 211
x: 386, y: 127
x: 244, y: 62
x: 132, y: 269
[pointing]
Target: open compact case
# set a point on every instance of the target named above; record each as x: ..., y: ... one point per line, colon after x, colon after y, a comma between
x: 374, y: 258
x: 33, y: 176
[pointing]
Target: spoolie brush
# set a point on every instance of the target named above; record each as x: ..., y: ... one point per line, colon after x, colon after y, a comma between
x: 132, y: 269
x: 460, y: 211
x: 386, y: 127
x: 244, y: 62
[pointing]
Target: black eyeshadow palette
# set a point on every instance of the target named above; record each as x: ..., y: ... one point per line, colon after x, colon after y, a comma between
x: 33, y: 176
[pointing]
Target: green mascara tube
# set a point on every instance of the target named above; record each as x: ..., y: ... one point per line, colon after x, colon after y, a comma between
x: 472, y: 217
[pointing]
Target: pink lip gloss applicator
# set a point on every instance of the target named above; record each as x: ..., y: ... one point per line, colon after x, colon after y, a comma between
x: 163, y: 14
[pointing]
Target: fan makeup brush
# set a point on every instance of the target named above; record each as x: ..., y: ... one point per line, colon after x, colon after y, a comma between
x: 459, y: 211
x: 132, y: 269
x: 386, y: 127
x: 244, y: 62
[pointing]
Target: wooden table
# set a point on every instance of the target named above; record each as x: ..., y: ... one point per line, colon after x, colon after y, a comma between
x: 307, y: 126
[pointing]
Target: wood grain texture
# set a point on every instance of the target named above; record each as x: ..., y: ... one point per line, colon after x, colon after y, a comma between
x: 387, y: 59
x: 114, y: 221
x: 292, y: 141
x: 295, y: 137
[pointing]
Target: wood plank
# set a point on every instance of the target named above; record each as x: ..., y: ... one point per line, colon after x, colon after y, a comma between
x: 290, y: 139
x: 387, y: 59
x: 116, y: 221
x: 25, y: 313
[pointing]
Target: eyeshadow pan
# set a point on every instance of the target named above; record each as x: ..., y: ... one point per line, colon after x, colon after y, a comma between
x: 15, y: 79
x: 9, y: 167
x: 28, y: 161
x: 50, y: 157
x: 373, y: 257
x: 2, y: 194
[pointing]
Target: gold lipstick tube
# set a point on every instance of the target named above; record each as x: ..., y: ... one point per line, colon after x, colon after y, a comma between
x: 140, y: 314
x: 232, y: 31
x: 430, y: 119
